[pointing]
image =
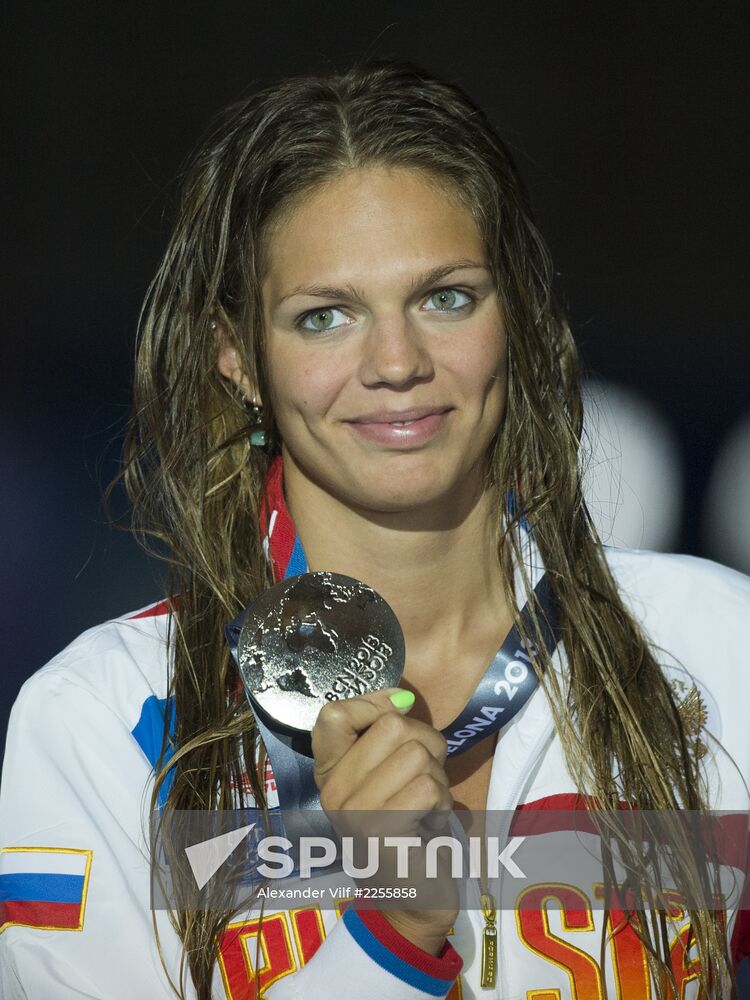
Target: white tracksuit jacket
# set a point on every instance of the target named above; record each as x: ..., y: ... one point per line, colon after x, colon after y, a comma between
x: 74, y: 872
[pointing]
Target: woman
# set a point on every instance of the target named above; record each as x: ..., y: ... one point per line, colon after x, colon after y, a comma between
x: 351, y: 360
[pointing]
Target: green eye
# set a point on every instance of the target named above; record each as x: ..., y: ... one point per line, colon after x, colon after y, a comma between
x: 318, y: 320
x: 446, y: 300
x: 321, y: 320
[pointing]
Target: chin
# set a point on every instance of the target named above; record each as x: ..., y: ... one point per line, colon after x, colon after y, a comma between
x: 408, y: 492
x: 395, y: 502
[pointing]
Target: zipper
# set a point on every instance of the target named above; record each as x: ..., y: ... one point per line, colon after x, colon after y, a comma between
x: 489, y: 941
x: 487, y: 902
x: 508, y: 803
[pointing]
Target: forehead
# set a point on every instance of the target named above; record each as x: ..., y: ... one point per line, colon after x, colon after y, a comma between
x: 375, y: 222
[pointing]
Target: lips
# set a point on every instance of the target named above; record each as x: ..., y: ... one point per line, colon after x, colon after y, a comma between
x: 401, y: 429
x: 399, y: 416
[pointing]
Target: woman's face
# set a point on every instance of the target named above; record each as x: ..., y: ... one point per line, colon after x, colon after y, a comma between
x: 386, y: 347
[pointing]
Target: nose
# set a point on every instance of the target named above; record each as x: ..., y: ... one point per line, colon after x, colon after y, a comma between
x: 396, y: 355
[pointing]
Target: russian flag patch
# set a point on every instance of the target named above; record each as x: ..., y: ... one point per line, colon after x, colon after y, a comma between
x: 43, y: 887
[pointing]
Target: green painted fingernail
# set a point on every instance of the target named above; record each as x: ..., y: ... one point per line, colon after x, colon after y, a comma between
x: 402, y: 699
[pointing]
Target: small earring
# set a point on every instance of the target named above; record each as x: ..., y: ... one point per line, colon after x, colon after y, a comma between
x: 258, y: 437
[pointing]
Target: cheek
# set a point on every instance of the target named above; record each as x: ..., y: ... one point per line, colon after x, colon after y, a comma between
x: 302, y: 385
x: 497, y: 358
x: 483, y: 368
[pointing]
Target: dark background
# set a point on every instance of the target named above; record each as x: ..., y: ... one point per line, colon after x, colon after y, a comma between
x: 629, y: 123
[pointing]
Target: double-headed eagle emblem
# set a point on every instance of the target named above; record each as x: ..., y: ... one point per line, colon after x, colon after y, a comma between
x: 693, y: 714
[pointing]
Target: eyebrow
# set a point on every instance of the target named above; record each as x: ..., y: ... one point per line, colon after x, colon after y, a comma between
x: 350, y: 292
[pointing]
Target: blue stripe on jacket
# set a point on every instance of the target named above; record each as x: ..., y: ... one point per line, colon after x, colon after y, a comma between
x: 38, y: 887
x: 148, y: 733
x: 386, y: 959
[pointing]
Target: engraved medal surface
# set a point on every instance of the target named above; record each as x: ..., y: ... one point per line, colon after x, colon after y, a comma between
x: 315, y: 638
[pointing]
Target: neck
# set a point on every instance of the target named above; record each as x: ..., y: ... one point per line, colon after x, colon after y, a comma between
x: 437, y: 568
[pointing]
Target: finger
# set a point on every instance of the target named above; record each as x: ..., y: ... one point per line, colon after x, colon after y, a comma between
x: 422, y: 795
x: 389, y: 734
x: 340, y: 723
x: 384, y: 737
x: 387, y: 780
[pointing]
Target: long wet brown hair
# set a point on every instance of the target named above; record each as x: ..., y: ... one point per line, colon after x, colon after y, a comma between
x: 195, y: 481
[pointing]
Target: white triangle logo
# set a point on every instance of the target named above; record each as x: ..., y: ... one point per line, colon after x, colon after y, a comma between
x: 209, y: 855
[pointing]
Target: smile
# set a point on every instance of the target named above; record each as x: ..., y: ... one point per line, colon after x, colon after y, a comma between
x: 401, y: 430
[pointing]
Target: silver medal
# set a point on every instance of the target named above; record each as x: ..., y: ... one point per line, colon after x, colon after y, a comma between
x: 316, y: 638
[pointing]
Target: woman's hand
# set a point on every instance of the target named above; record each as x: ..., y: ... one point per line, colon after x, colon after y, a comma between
x: 372, y: 758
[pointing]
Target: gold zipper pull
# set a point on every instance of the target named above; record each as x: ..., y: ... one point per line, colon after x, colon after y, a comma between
x: 489, y: 941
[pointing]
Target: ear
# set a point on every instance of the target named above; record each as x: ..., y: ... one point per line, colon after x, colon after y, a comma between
x: 228, y: 363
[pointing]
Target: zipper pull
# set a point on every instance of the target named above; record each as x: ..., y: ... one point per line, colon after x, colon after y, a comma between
x: 489, y: 941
